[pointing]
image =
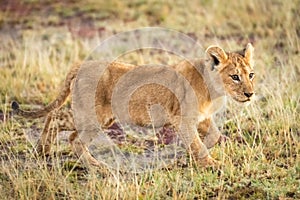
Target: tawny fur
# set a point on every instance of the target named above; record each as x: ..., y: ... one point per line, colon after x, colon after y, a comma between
x: 235, y: 71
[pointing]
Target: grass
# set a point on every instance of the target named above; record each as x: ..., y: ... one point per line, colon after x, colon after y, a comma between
x: 38, y: 44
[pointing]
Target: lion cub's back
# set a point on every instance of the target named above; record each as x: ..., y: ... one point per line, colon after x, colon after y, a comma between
x: 137, y: 91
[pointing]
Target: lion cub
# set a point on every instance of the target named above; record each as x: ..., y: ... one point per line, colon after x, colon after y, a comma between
x: 211, y: 79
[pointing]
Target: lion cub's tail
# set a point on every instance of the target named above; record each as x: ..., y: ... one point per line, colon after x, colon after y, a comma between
x: 57, y: 103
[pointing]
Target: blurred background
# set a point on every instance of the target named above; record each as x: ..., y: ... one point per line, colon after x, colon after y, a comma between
x: 48, y: 35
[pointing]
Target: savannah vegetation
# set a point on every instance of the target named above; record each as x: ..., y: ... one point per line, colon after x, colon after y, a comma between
x: 40, y: 40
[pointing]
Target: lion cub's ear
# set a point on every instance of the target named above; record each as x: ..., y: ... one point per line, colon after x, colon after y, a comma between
x: 249, y: 54
x: 217, y: 55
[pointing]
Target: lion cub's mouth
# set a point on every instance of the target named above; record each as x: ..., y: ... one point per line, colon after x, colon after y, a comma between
x: 242, y: 100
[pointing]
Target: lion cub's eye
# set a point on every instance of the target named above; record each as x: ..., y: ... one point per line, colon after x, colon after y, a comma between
x: 251, y: 75
x: 235, y: 77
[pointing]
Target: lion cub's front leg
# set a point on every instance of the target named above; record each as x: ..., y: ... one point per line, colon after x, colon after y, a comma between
x: 200, y: 153
x: 209, y: 133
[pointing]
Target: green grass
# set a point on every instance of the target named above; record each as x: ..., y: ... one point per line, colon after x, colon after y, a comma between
x: 37, y: 50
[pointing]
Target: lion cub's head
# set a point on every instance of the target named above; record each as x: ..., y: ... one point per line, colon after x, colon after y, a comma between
x: 235, y: 70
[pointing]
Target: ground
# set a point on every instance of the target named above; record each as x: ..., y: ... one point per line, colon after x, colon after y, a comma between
x: 39, y: 41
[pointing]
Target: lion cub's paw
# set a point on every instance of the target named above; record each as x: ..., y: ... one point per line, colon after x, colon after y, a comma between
x: 43, y: 150
x: 208, y: 162
x: 223, y: 139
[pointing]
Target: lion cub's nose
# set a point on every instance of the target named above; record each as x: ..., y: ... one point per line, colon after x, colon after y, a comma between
x: 248, y: 94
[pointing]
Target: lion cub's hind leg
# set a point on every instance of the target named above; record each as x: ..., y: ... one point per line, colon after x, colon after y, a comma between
x: 56, y: 121
x: 81, y: 150
x: 47, y: 137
